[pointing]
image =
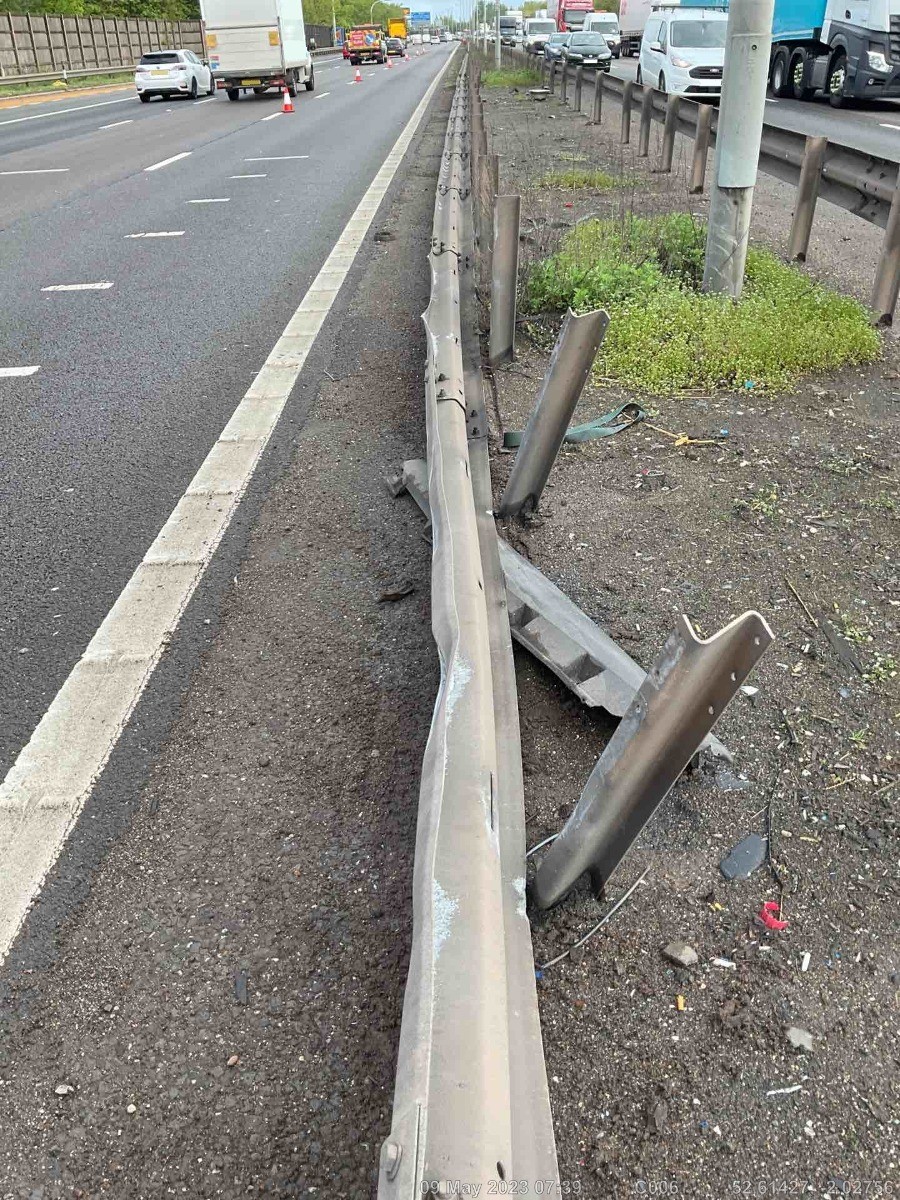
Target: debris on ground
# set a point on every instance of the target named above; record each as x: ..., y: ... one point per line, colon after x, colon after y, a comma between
x: 397, y: 592
x: 745, y: 858
x: 800, y: 1039
x: 681, y: 954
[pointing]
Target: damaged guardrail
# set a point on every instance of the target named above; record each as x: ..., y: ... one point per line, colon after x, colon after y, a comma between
x: 863, y: 184
x: 471, y: 1106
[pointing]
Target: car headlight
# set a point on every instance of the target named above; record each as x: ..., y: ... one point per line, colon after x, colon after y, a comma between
x: 878, y: 62
x: 681, y: 63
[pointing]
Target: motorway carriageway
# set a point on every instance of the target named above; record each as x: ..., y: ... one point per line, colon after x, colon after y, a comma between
x: 152, y: 255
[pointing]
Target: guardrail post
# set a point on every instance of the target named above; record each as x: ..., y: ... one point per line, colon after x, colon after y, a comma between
x: 597, y: 110
x: 887, y: 277
x: 646, y: 119
x: 627, y: 99
x: 579, y: 80
x: 668, y: 147
x: 564, y: 84
x: 701, y: 149
x: 683, y: 695
x: 551, y: 83
x: 807, y: 195
x: 570, y: 363
x: 504, y: 275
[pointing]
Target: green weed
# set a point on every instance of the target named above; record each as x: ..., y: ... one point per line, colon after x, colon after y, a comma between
x: 884, y: 668
x: 74, y: 85
x: 511, y: 78
x: 666, y: 335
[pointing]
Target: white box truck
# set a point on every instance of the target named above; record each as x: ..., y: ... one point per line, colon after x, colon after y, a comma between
x: 254, y: 45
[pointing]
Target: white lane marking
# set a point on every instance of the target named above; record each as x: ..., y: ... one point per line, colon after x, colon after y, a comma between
x: 47, y: 787
x: 322, y: 95
x: 17, y: 372
x: 78, y: 287
x: 769, y: 100
x: 42, y: 171
x: 888, y: 125
x: 59, y: 111
x: 277, y: 157
x: 272, y: 116
x: 116, y: 124
x: 248, y: 177
x: 167, y: 233
x: 212, y: 200
x: 208, y: 100
x: 167, y: 161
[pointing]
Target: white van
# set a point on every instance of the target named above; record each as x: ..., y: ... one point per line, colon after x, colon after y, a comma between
x: 683, y: 51
x: 606, y: 23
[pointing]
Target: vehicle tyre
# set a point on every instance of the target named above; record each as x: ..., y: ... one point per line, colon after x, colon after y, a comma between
x: 837, y: 78
x: 195, y: 91
x: 779, y: 74
x: 799, y: 70
x: 311, y: 82
x: 212, y: 85
x: 662, y: 83
x: 144, y: 98
x: 292, y: 86
x: 234, y: 93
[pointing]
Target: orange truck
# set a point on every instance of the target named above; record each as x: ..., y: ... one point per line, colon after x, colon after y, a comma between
x: 366, y: 44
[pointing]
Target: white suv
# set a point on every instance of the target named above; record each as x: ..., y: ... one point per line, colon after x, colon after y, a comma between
x: 173, y: 73
x: 683, y: 51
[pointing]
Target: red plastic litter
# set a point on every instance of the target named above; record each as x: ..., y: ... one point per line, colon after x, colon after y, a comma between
x: 767, y: 916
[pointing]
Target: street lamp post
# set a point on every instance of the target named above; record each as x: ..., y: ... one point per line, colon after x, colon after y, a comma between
x: 372, y: 9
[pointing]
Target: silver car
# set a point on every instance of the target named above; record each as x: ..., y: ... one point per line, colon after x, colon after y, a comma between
x: 173, y: 73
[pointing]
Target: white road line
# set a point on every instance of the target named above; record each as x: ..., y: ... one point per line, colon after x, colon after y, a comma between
x: 166, y: 161
x: 42, y: 171
x: 888, y: 125
x: 277, y: 157
x: 78, y: 287
x: 322, y: 95
x: 272, y: 116
x: 208, y: 100
x: 17, y: 372
x: 212, y: 200
x: 162, y: 234
x: 46, y: 789
x: 248, y: 177
x: 59, y: 111
x: 116, y: 124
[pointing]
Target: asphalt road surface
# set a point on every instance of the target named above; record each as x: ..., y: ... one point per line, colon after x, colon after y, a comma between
x: 204, y: 999
x: 873, y: 128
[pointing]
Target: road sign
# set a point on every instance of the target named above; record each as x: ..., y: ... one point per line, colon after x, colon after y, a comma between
x: 420, y: 18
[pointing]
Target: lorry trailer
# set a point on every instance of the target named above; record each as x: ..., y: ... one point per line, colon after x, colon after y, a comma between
x: 570, y: 14
x: 254, y: 45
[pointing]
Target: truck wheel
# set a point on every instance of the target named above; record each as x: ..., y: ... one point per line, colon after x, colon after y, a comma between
x: 311, y: 82
x: 233, y: 93
x: 799, y: 69
x: 779, y: 76
x: 837, y: 79
x: 292, y: 85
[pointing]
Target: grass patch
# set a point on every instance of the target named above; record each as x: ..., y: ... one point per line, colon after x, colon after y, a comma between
x: 665, y: 334
x: 575, y: 178
x: 510, y: 77
x: 84, y: 81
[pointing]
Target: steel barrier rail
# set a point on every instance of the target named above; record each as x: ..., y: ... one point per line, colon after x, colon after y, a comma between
x: 863, y: 184
x: 462, y: 1114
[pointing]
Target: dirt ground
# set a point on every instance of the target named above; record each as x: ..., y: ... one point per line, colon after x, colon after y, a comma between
x: 797, y: 491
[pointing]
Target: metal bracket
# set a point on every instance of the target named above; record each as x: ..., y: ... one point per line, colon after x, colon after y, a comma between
x: 685, y: 692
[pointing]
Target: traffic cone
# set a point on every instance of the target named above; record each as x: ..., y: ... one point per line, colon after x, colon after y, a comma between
x: 389, y: 64
x: 357, y: 78
x: 287, y: 104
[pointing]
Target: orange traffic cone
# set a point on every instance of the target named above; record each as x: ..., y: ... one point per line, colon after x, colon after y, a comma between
x: 357, y: 78
x: 388, y: 62
x: 287, y: 104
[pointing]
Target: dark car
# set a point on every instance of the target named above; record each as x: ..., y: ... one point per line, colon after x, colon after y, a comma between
x: 588, y: 50
x: 395, y: 47
x: 555, y: 44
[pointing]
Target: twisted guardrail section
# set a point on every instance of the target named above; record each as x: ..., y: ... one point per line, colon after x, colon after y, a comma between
x: 471, y: 1106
